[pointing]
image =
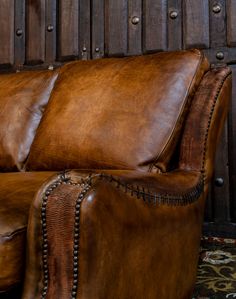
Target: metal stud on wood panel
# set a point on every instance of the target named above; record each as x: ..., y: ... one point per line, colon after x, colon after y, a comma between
x: 216, y: 8
x: 173, y: 14
x: 135, y: 20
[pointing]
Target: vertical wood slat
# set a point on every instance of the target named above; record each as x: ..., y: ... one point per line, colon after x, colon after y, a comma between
x: 217, y: 24
x: 196, y: 24
x: 134, y: 28
x: 98, y: 22
x: 84, y: 30
x: 116, y: 27
x: 174, y: 25
x: 35, y: 31
x: 221, y: 194
x: 232, y: 147
x: 155, y: 25
x: 19, y: 33
x: 231, y: 21
x: 68, y: 17
x: 7, y: 32
x: 50, y: 50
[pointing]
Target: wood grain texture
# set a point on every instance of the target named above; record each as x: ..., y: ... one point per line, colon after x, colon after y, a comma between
x: 175, y: 25
x: 116, y: 27
x: 155, y: 25
x: 98, y: 23
x: 7, y: 32
x: 231, y: 21
x: 218, y: 26
x: 68, y: 22
x: 221, y: 194
x: 134, y: 30
x: 50, y: 50
x: 19, y: 48
x: 196, y: 24
x: 35, y: 31
x: 84, y: 30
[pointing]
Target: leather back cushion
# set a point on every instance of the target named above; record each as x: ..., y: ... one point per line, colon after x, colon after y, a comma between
x: 23, y: 97
x: 117, y: 113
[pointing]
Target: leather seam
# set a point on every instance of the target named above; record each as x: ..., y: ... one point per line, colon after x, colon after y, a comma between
x: 153, y: 164
x: 151, y: 198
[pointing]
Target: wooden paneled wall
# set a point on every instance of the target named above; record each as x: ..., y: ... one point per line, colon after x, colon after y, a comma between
x: 41, y: 33
x: 44, y: 32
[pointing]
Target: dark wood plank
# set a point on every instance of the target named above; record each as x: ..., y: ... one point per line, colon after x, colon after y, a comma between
x: 231, y: 21
x: 35, y: 38
x: 51, y: 14
x: 174, y: 25
x: 19, y: 34
x: 68, y: 29
x: 220, y: 186
x: 135, y: 27
x: 232, y: 148
x: 116, y: 27
x: 84, y: 30
x: 229, y: 55
x: 217, y: 23
x: 7, y: 32
x: 154, y: 25
x: 196, y: 24
x: 209, y: 206
x: 98, y: 23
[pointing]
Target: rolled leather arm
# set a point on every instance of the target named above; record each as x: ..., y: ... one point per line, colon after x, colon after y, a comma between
x: 205, y: 122
x: 116, y: 234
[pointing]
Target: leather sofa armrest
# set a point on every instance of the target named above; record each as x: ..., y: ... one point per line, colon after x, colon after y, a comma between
x: 116, y: 234
x: 205, y: 122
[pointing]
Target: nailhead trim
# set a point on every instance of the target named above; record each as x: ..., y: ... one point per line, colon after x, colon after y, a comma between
x: 79, y: 200
x: 86, y: 184
x: 209, y: 121
x: 137, y: 191
x: 47, y: 193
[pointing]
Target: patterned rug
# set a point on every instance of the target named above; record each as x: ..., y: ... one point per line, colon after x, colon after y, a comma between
x: 216, y: 277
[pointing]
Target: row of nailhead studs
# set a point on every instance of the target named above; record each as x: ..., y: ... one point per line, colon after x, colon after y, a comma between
x: 47, y: 193
x: 44, y: 233
x: 76, y: 239
x: 49, y: 190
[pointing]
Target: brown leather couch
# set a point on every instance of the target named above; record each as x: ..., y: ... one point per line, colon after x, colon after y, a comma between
x: 142, y: 134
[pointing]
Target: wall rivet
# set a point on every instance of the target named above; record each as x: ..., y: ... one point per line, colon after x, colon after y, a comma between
x: 220, y: 55
x: 84, y: 49
x: 97, y: 50
x: 135, y: 20
x: 216, y: 8
x: 219, y: 182
x: 19, y: 32
x: 173, y: 14
x: 50, y: 28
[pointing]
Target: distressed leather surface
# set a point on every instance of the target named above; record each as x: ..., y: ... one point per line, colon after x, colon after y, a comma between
x: 125, y: 238
x: 210, y: 107
x: 125, y: 241
x: 23, y: 97
x: 117, y: 113
x: 16, y: 194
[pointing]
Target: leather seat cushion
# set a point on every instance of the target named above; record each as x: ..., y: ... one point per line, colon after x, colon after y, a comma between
x: 117, y: 113
x: 16, y: 194
x: 23, y: 97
